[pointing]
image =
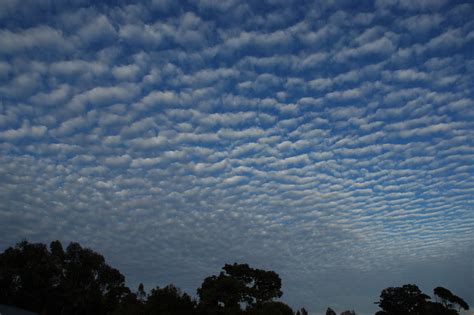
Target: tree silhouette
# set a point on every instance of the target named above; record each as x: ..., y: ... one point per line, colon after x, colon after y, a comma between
x: 130, y: 304
x: 28, y: 276
x: 141, y: 295
x: 170, y: 301
x: 238, y: 284
x: 77, y: 281
x: 219, y: 293
x: 405, y: 300
x: 93, y: 286
x: 303, y: 311
x: 448, y: 299
x: 408, y: 299
x: 270, y: 308
x: 258, y: 286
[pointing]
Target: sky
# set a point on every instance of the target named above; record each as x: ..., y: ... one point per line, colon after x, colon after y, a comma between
x: 329, y: 141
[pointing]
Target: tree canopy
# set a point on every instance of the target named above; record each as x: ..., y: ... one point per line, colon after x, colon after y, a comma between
x: 77, y: 281
x: 448, y: 299
x: 409, y: 299
x: 54, y: 281
x: 239, y: 284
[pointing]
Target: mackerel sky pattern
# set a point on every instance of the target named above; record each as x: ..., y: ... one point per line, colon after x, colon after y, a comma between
x: 330, y: 141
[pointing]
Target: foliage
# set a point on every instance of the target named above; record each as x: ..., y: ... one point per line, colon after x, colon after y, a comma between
x: 238, y: 284
x: 302, y: 311
x: 78, y: 281
x: 270, y: 308
x: 409, y: 299
x: 405, y: 300
x: 169, y: 300
x: 448, y: 299
x: 28, y: 276
x: 75, y: 281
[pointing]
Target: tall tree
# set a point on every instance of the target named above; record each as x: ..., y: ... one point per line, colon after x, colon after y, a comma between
x: 449, y: 300
x: 75, y: 281
x: 303, y: 311
x: 239, y: 284
x: 405, y: 300
x: 221, y: 293
x: 330, y: 311
x: 408, y: 300
x: 28, y: 276
x: 270, y: 308
x: 93, y: 286
x: 130, y: 304
x: 141, y: 295
x: 169, y: 301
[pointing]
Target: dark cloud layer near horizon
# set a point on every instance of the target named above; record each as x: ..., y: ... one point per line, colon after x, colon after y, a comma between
x: 329, y: 141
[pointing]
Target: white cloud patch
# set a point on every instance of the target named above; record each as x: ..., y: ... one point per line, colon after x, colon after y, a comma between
x: 25, y: 131
x: 75, y: 67
x: 126, y: 72
x: 146, y: 143
x: 40, y: 37
x: 97, y: 31
x: 117, y: 160
x: 381, y: 45
x: 52, y: 98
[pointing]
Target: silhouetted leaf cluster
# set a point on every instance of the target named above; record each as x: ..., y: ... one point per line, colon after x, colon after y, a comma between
x: 74, y: 281
x: 77, y: 281
x: 409, y: 300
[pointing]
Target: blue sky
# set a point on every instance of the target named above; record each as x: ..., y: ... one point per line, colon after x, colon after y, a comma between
x: 329, y: 141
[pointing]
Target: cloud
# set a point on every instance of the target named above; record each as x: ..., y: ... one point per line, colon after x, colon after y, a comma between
x: 24, y: 84
x: 71, y: 125
x: 40, y: 37
x: 117, y: 160
x: 423, y: 5
x: 450, y: 39
x: 159, y: 99
x: 380, y: 46
x: 145, y: 162
x: 104, y: 95
x: 98, y: 31
x: 145, y: 35
x: 23, y: 132
x: 53, y: 97
x: 248, y: 133
x: 145, y: 143
x: 422, y: 24
x: 75, y: 67
x: 127, y: 72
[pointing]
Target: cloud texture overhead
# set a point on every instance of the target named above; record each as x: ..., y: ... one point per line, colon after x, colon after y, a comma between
x: 329, y: 141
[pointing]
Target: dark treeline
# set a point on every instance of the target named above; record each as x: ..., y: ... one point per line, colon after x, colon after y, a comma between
x: 77, y: 281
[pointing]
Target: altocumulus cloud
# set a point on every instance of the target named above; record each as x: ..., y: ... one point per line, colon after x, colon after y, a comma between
x: 329, y: 141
